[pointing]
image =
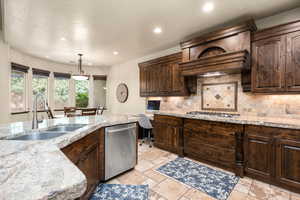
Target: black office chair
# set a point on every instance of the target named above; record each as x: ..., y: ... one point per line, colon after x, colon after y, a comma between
x: 145, y: 123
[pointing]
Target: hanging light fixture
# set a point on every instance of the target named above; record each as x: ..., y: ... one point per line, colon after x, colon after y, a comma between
x: 80, y: 76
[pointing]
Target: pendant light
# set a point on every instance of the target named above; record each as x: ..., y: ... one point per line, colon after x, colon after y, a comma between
x: 80, y: 76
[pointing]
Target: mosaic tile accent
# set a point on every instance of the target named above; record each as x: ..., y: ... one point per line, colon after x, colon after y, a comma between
x: 219, y: 96
x: 215, y: 183
x: 120, y: 192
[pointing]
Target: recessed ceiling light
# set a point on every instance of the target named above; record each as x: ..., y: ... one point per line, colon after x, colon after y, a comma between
x: 115, y: 53
x: 47, y: 57
x: 63, y: 39
x: 208, y: 7
x: 157, y: 30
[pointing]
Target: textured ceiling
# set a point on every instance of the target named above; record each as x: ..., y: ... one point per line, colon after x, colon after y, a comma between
x: 97, y: 28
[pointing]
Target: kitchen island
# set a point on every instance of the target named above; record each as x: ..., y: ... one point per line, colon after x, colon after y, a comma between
x: 31, y: 170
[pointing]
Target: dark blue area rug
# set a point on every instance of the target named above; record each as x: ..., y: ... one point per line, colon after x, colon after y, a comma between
x: 120, y: 192
x: 215, y: 183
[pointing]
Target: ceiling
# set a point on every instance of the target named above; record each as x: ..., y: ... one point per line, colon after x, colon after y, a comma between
x: 97, y: 28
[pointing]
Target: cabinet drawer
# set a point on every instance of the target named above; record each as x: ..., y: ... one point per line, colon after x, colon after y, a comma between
x: 225, y: 157
x: 164, y: 119
x: 270, y: 132
x: 218, y: 139
x: 78, y: 148
x: 212, y: 127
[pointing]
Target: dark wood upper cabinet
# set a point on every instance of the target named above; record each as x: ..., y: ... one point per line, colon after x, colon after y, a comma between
x: 268, y: 64
x: 293, y: 62
x: 276, y: 59
x: 161, y: 77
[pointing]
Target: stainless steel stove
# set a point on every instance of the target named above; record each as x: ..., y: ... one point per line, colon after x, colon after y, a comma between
x: 229, y: 115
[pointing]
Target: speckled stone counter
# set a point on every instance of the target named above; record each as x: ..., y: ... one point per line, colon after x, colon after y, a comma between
x: 248, y: 120
x: 36, y: 170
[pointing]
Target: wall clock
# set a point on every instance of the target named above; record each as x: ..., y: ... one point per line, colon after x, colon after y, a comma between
x: 122, y: 93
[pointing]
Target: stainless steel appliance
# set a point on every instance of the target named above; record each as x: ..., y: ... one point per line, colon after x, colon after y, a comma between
x: 120, y: 149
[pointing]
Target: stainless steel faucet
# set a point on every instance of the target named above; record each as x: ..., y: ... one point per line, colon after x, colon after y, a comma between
x: 35, y: 120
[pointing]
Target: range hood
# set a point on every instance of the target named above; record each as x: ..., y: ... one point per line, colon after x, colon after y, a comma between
x: 221, y: 64
x: 225, y: 51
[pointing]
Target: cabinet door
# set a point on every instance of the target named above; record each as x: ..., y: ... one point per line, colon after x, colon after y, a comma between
x: 160, y: 139
x: 288, y: 163
x: 293, y: 62
x: 143, y: 81
x: 258, y: 156
x: 177, y: 79
x: 89, y: 166
x: 167, y: 137
x: 268, y: 65
x: 165, y: 77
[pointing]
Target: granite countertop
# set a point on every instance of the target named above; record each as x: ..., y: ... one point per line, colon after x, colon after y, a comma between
x: 248, y: 120
x: 35, y: 170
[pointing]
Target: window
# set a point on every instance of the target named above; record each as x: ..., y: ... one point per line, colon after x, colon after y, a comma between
x: 61, y: 93
x: 18, y: 91
x: 82, y: 93
x: 40, y: 86
x: 100, y: 90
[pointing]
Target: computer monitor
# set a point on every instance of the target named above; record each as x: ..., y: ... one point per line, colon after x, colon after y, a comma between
x: 153, y: 105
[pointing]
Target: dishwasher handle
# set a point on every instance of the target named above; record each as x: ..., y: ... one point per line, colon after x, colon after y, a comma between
x: 120, y: 129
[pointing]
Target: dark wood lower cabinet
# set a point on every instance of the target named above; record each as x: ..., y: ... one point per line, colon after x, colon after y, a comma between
x: 213, y: 142
x: 88, y: 164
x: 168, y: 133
x: 84, y: 153
x: 258, y: 151
x: 288, y: 163
x: 267, y: 154
x: 272, y: 155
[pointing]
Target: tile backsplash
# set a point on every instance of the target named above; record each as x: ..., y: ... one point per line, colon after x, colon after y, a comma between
x: 247, y: 103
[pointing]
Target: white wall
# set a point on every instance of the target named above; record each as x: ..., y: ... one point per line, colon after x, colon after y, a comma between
x: 4, y: 81
x: 281, y: 18
x: 129, y: 73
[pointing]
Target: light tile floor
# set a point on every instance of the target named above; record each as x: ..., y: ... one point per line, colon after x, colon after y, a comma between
x: 165, y: 188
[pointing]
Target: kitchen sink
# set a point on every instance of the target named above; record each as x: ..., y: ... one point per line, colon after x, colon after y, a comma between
x: 43, y: 135
x: 66, y: 128
x: 51, y: 132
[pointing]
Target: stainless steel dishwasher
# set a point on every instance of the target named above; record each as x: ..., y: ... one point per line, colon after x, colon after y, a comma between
x: 120, y: 149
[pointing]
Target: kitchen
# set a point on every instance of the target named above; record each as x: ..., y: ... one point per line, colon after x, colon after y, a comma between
x: 218, y: 92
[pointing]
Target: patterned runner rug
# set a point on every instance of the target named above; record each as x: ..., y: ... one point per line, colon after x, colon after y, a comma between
x: 215, y: 183
x: 120, y: 192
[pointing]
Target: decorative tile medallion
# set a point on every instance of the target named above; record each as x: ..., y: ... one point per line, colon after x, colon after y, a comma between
x: 215, y: 183
x: 120, y: 192
x: 219, y: 96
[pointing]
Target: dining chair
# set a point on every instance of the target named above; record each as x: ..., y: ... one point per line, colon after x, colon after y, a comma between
x: 69, y: 111
x: 88, y: 111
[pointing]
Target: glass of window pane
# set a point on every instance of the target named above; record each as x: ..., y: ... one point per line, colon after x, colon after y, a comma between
x: 18, y: 91
x: 100, y: 92
x: 61, y: 93
x: 40, y: 86
x: 82, y: 93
